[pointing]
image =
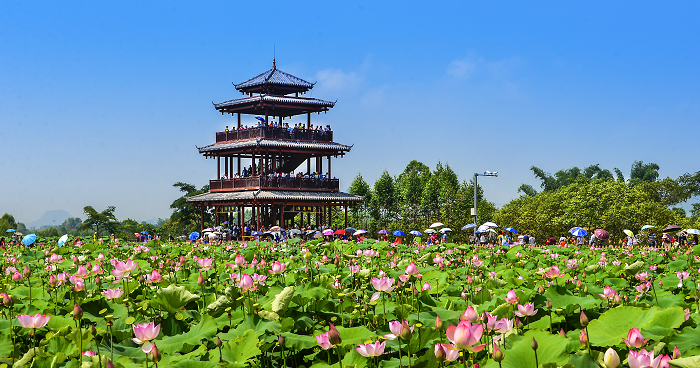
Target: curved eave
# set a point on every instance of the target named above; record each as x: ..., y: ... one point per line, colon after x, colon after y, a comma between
x: 270, y: 143
x: 274, y: 196
x: 278, y: 105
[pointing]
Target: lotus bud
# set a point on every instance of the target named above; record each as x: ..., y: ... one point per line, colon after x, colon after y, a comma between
x: 98, y: 280
x: 280, y: 340
x: 77, y: 312
x: 561, y: 332
x: 541, y: 289
x: 26, y: 270
x: 534, y: 345
x: 334, y: 335
x: 583, y: 338
x: 155, y: 354
x: 611, y: 359
x: 440, y: 353
x: 110, y: 364
x: 438, y: 323
x: 518, y: 323
x: 676, y: 352
x: 200, y: 280
x: 93, y: 330
x: 584, y: 319
x: 219, y: 343
x: 497, y: 353
x: 406, y: 332
x: 476, y: 365
x: 8, y: 301
x: 549, y: 305
x: 617, y: 299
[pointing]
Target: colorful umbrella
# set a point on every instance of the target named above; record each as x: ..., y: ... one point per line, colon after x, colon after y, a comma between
x: 340, y: 232
x: 602, y: 234
x: 489, y: 224
x: 29, y: 239
x: 693, y: 231
x: 628, y: 233
x: 672, y: 228
x: 275, y: 228
x: 512, y: 230
x: 577, y: 231
x: 10, y: 230
x: 437, y: 224
x: 328, y: 232
x: 646, y: 227
x: 415, y: 232
x: 194, y: 236
x: 62, y: 240
x: 468, y: 226
x: 383, y: 232
x: 399, y: 233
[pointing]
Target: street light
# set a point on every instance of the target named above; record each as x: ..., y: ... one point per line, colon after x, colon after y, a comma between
x: 476, y: 175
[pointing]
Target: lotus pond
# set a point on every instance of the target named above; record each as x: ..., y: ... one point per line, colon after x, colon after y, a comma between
x: 369, y: 304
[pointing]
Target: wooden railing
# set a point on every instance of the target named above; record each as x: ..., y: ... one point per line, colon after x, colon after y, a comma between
x: 274, y: 183
x: 275, y: 133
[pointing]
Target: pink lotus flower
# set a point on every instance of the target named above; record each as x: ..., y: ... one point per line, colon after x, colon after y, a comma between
x: 399, y: 329
x: 611, y: 359
x: 504, y: 325
x: 426, y: 286
x: 79, y: 286
x: 608, y: 293
x: 113, y: 293
x: 490, y: 321
x: 323, y: 342
x: 643, y: 358
x: 383, y: 284
x: 277, y: 268
x: 371, y: 350
x: 465, y: 336
x: 682, y: 276
x: 240, y: 260
x: 82, y: 272
x: 354, y: 269
x: 469, y: 314
x: 246, y: 282
x: 526, y: 310
x: 635, y: 339
x: 145, y: 332
x: 205, y: 263
x: 511, y: 297
x: 55, y: 258
x: 446, y: 352
x: 125, y: 267
x: 89, y: 353
x: 553, y: 273
x: 38, y: 321
x: 154, y: 277
x: 411, y: 269
x: 16, y: 277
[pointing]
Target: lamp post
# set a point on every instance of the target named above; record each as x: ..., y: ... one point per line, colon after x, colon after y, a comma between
x: 476, y: 175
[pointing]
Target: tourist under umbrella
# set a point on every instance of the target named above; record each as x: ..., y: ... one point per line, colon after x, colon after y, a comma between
x: 62, y: 240
x: 489, y: 224
x: 437, y: 224
x: 194, y: 236
x: 445, y: 230
x: 602, y: 234
x: 339, y: 232
x: 383, y: 232
x: 430, y: 231
x: 693, y: 231
x: 671, y: 228
x: 468, y: 226
x: 29, y: 239
x: 328, y: 232
x: 512, y: 230
x: 10, y: 230
x: 400, y: 233
x: 415, y: 232
x: 647, y: 227
x: 578, y: 232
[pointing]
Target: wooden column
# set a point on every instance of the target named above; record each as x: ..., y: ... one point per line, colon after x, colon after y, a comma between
x: 239, y: 165
x: 329, y: 167
x: 284, y: 205
x: 308, y: 120
x: 252, y: 166
x: 274, y: 163
x: 253, y: 219
x: 226, y: 167
x: 308, y: 166
x: 216, y: 216
x: 346, y: 216
x: 218, y: 167
x: 201, y: 216
x: 239, y: 120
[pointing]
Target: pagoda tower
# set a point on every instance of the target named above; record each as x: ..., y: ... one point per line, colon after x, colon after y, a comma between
x: 272, y: 164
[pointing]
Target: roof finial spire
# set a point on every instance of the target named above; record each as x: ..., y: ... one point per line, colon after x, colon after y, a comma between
x: 274, y: 51
x: 273, y: 64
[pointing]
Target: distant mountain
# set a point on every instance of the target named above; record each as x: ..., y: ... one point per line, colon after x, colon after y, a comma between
x: 48, y: 219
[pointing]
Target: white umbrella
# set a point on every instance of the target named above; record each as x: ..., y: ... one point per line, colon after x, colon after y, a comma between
x: 437, y: 224
x: 359, y: 232
x: 492, y: 231
x: 445, y: 229
x: 429, y: 231
x: 468, y: 226
x: 489, y: 224
x: 483, y: 228
x: 693, y: 231
x: 62, y: 240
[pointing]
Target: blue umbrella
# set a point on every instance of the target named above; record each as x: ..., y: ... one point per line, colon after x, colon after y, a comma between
x: 10, y: 230
x: 260, y: 118
x: 468, y: 226
x: 144, y: 232
x: 399, y: 233
x: 645, y: 227
x: 577, y: 231
x: 479, y: 231
x: 415, y: 232
x: 29, y: 239
x: 194, y: 236
x: 255, y: 233
x: 512, y: 230
x: 383, y: 231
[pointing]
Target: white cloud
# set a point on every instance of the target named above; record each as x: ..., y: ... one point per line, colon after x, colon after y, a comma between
x: 374, y: 97
x: 464, y: 68
x: 336, y: 79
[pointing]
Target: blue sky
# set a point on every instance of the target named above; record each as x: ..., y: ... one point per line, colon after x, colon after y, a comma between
x: 103, y: 104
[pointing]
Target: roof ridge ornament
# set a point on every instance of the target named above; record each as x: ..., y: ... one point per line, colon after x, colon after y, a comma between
x: 274, y: 66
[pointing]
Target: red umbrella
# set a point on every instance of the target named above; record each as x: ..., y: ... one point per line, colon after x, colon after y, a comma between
x: 339, y: 232
x: 602, y: 234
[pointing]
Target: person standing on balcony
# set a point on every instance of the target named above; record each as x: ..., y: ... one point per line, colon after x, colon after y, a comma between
x: 227, y: 129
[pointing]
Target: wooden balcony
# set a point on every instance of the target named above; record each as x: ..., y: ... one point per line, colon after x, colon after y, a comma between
x: 280, y: 133
x: 273, y: 183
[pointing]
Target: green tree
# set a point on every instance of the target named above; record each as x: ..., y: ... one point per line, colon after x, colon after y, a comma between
x: 185, y: 217
x: 72, y: 223
x: 95, y: 220
x: 642, y: 172
x: 7, y: 221
x: 384, y: 200
x: 410, y: 184
x: 527, y: 190
x: 360, y: 187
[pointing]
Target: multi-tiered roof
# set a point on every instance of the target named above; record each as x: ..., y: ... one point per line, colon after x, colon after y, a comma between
x: 274, y: 149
